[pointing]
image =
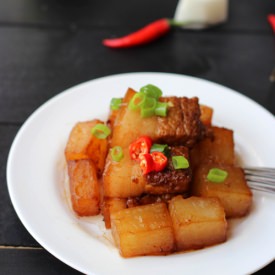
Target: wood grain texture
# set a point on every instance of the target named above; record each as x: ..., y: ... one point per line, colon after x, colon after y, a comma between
x: 55, y: 60
x: 32, y: 261
x: 246, y: 15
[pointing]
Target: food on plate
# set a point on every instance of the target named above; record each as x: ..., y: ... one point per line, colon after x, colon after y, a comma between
x: 143, y: 230
x: 124, y: 178
x: 84, y: 187
x: 82, y: 145
x: 197, y: 222
x: 112, y: 205
x: 217, y: 148
x: 162, y: 175
x: 233, y: 192
x: 218, y: 152
x: 181, y: 125
x: 206, y: 114
x: 85, y: 155
x: 170, y: 180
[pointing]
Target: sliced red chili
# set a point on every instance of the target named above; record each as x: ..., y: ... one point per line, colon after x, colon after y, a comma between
x: 140, y: 147
x: 160, y: 161
x: 142, y: 36
x: 146, y: 163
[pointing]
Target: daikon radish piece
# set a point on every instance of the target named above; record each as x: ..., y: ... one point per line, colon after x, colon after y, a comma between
x: 129, y: 125
x: 234, y: 192
x: 122, y: 179
x: 197, y: 222
x: 143, y: 230
x: 82, y: 144
x: 206, y: 115
x: 84, y: 187
x: 218, y: 149
x: 111, y: 205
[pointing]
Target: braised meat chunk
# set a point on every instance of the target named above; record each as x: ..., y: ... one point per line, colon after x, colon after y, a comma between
x: 170, y: 180
x: 193, y: 127
x: 149, y: 198
x: 182, y: 125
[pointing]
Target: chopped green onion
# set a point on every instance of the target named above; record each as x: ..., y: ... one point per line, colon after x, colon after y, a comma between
x: 137, y: 101
x: 115, y: 103
x: 148, y: 107
x: 101, y: 131
x: 117, y: 153
x: 159, y: 148
x: 161, y: 109
x: 151, y: 91
x: 217, y: 175
x: 180, y: 162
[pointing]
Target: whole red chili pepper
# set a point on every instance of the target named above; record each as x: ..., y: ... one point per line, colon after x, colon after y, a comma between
x: 271, y: 20
x: 142, y: 36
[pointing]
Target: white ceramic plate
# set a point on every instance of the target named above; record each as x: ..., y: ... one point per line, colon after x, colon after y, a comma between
x: 35, y: 175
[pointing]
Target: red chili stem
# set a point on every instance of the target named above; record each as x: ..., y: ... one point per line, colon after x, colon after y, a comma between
x: 142, y: 36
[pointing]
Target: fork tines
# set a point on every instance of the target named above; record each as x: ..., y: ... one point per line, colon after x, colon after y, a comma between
x: 261, y: 178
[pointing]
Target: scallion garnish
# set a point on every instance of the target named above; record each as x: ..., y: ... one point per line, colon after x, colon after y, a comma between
x: 163, y: 148
x: 180, y: 162
x: 101, y: 131
x: 117, y: 153
x: 115, y: 103
x: 148, y: 107
x: 161, y: 109
x: 137, y: 101
x: 146, y: 100
x: 217, y: 175
x: 151, y: 91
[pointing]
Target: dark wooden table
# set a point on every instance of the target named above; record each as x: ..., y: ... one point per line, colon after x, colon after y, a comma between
x: 49, y: 46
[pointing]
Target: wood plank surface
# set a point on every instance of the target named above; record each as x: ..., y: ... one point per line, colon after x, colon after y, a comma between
x: 55, y: 60
x: 245, y: 15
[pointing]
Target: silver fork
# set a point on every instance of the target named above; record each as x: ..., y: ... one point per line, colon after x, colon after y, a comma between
x: 261, y: 178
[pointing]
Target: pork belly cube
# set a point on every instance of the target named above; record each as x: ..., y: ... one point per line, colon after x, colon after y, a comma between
x: 170, y: 129
x: 83, y: 145
x: 109, y: 206
x: 217, y: 149
x: 143, y: 230
x: 170, y: 180
x: 233, y: 192
x: 182, y: 125
x: 129, y: 125
x: 197, y: 222
x: 124, y: 178
x: 206, y: 114
x: 84, y: 187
